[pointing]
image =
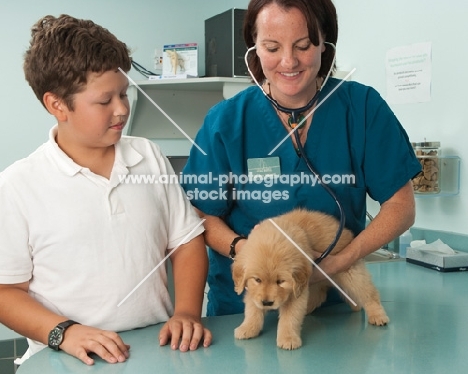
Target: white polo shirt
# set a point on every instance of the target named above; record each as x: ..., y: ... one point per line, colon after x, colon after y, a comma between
x: 85, y: 242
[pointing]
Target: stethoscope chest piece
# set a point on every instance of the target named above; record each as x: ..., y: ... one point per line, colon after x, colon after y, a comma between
x: 295, y: 122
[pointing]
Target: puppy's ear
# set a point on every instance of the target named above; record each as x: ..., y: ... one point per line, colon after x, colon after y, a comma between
x: 238, y: 276
x: 301, y: 280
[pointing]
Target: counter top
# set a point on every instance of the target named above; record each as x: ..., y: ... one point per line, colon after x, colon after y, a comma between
x: 428, y: 333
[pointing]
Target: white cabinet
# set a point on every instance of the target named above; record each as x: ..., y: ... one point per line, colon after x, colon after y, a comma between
x: 185, y: 103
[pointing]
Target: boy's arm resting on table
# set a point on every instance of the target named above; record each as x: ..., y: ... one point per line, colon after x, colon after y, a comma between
x: 20, y: 312
x: 396, y: 215
x: 184, y: 329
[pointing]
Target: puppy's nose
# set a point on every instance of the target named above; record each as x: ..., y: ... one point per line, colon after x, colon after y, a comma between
x: 267, y: 303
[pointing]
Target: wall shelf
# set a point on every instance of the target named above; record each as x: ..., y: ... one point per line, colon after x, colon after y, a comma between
x: 449, y: 178
x: 185, y: 101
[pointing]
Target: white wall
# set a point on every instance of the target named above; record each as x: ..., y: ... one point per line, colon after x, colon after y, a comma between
x: 368, y: 28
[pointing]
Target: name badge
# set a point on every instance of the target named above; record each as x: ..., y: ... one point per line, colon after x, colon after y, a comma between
x: 264, y: 166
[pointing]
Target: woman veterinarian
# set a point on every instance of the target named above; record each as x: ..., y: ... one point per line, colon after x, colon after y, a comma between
x: 343, y: 129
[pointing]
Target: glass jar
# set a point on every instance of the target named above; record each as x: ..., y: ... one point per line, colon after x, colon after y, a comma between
x: 428, y: 180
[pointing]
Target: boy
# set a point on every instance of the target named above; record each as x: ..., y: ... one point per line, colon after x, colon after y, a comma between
x: 74, y: 241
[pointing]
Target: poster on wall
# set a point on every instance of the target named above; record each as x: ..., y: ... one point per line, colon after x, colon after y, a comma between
x: 180, y: 60
x: 409, y: 73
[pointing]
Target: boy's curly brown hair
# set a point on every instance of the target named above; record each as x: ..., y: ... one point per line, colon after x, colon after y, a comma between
x: 64, y: 50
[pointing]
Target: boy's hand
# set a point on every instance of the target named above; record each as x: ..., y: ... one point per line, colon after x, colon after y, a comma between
x: 185, y: 332
x: 80, y: 340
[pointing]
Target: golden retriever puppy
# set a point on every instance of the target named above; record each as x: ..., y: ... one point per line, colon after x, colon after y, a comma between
x: 275, y: 275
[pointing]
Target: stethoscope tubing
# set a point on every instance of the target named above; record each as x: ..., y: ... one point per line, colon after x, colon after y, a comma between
x: 294, y: 113
x: 331, y: 193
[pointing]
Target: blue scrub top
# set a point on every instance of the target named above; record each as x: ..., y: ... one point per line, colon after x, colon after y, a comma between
x: 355, y: 143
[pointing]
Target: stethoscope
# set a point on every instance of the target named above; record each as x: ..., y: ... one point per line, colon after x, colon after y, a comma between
x: 296, y: 122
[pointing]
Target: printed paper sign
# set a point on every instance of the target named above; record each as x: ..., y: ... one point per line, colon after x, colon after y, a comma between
x: 409, y: 74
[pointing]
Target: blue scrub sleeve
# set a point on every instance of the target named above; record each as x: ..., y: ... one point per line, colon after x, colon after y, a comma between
x: 205, y: 175
x: 390, y: 161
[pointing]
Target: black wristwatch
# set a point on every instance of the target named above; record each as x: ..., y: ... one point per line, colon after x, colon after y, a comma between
x: 232, y: 247
x: 57, y: 333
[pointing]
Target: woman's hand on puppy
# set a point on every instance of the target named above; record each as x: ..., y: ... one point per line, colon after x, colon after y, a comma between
x: 330, y: 265
x: 185, y: 332
x: 239, y: 246
x: 241, y: 243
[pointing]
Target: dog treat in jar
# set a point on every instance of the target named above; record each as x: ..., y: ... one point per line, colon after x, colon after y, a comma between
x: 427, y: 181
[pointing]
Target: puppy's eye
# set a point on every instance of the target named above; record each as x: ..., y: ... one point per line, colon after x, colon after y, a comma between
x: 258, y: 280
x: 279, y: 281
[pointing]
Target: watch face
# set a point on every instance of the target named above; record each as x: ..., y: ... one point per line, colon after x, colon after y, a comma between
x: 55, y: 337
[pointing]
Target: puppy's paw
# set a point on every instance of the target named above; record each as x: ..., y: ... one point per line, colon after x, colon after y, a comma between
x: 289, y: 342
x: 379, y: 319
x: 376, y: 314
x: 246, y: 332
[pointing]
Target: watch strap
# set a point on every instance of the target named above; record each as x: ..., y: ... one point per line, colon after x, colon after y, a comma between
x: 66, y: 324
x: 232, y: 247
